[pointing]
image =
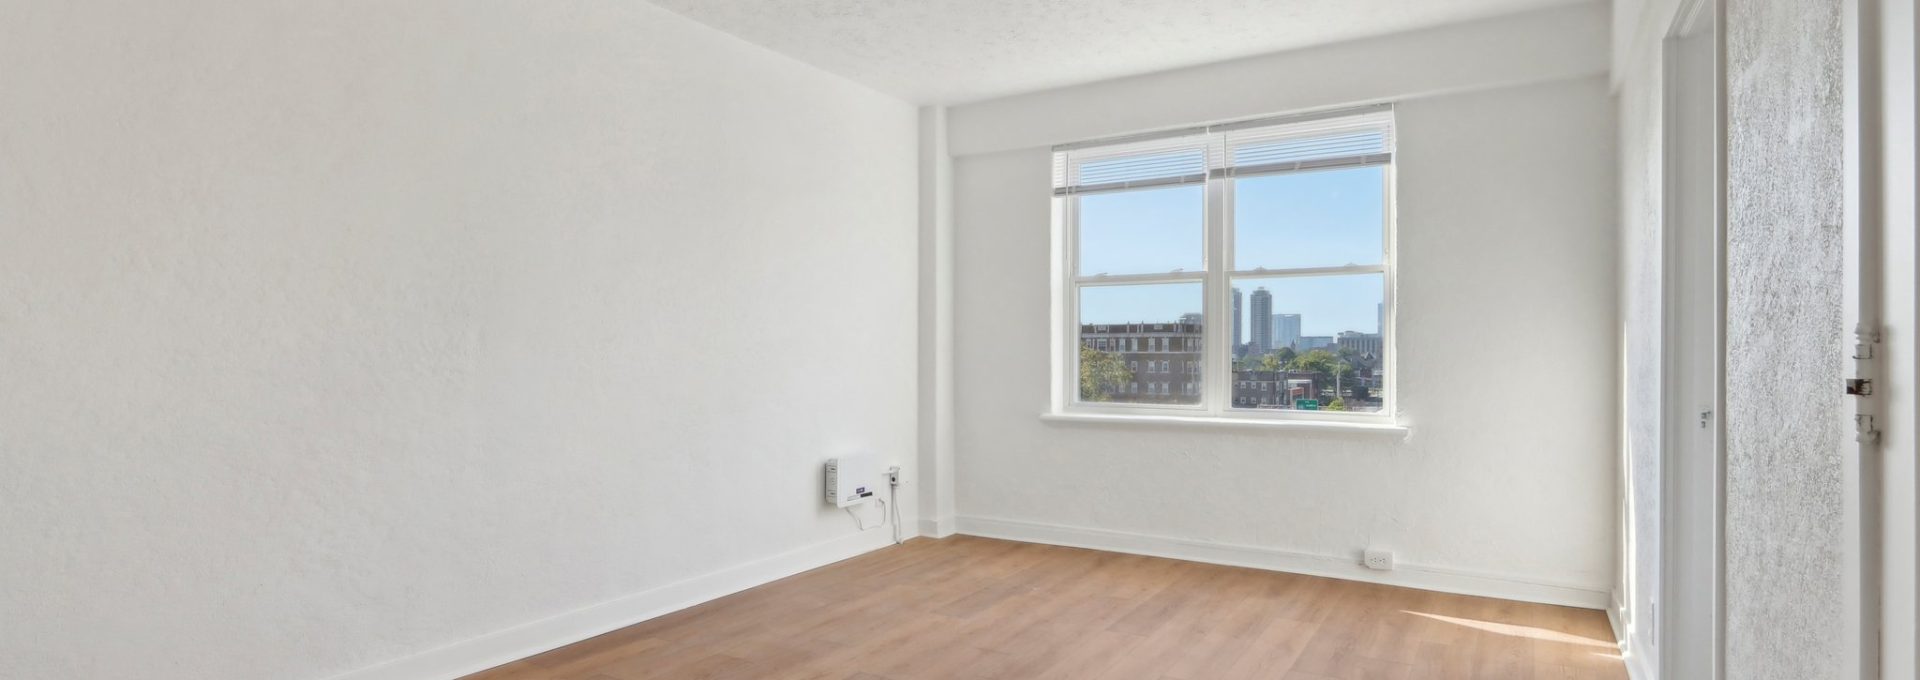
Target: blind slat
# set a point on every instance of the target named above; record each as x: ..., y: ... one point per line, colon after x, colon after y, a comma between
x: 1297, y: 166
x: 1131, y: 184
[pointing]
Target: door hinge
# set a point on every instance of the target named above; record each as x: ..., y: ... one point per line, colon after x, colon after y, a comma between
x: 1863, y: 429
x: 1866, y: 333
x: 1864, y: 339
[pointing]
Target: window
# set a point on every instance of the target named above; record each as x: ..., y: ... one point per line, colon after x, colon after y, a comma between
x: 1257, y: 255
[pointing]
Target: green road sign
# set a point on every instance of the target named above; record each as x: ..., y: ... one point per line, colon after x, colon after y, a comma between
x: 1307, y: 404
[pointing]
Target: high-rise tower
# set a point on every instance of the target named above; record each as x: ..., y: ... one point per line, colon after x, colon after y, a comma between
x: 1261, y: 313
x: 1237, y: 337
x: 1286, y: 331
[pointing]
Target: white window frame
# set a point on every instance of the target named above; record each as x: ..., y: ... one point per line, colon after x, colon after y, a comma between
x: 1216, y: 362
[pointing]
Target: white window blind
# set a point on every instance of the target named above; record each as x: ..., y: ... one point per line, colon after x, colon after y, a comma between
x: 1160, y: 161
x: 1345, y: 138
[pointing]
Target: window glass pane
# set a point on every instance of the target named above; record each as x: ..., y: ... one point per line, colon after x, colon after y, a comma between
x: 1149, y: 231
x: 1322, y: 218
x: 1154, y: 334
x: 1314, y: 343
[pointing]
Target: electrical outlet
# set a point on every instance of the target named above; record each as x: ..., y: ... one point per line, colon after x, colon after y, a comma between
x: 1379, y: 559
x: 893, y: 475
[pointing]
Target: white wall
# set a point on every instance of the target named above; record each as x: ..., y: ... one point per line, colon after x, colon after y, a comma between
x: 1506, y: 311
x: 1669, y: 355
x: 1517, y: 49
x: 936, y: 325
x: 1642, y: 193
x: 333, y: 333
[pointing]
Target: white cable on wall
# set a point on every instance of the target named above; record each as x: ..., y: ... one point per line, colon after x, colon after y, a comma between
x: 889, y: 508
x: 862, y: 523
x: 893, y: 490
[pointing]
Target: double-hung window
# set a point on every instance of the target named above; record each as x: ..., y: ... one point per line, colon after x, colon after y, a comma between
x: 1260, y: 252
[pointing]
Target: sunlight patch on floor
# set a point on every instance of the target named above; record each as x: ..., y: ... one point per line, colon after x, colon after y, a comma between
x: 1517, y: 630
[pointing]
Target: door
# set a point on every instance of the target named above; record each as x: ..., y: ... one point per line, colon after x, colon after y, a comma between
x: 1900, y: 615
x: 1690, y: 584
x: 1887, y: 308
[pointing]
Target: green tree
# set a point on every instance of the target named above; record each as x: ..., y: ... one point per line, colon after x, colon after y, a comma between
x: 1101, y: 374
x: 1321, y: 361
x: 1271, y: 362
x: 1337, y: 405
x: 1286, y: 355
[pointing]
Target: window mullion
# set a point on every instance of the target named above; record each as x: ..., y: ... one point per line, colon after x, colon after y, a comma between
x: 1218, y: 357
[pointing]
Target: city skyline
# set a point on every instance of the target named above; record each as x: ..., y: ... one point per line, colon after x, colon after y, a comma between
x: 1164, y: 363
x: 1326, y: 305
x: 1324, y: 218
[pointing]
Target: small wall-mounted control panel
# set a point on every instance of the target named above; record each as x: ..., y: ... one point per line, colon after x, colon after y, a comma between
x: 851, y: 480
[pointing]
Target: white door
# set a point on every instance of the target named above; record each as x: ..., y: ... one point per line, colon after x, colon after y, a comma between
x: 1894, y: 410
x: 1689, y: 589
x: 1894, y: 367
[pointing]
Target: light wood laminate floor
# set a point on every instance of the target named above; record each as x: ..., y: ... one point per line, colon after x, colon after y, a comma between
x: 975, y: 608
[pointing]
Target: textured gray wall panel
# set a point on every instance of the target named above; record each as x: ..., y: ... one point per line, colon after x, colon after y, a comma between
x: 1784, y: 324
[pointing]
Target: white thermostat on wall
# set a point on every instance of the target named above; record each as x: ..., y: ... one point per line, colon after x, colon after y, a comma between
x: 851, y: 480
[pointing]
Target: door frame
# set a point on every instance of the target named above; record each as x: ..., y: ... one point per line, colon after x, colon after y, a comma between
x: 1689, y: 638
x: 1899, y: 122
x: 1861, y: 350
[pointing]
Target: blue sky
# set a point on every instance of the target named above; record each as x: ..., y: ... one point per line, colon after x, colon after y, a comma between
x: 1308, y: 219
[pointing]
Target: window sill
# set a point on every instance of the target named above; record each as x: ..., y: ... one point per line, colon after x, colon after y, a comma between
x: 1330, y: 426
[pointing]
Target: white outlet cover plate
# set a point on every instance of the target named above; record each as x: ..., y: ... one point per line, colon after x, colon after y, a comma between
x: 1380, y: 559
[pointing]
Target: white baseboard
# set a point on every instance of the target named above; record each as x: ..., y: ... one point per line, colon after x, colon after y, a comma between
x: 937, y: 527
x: 1637, y: 667
x: 1616, y: 617
x: 1440, y: 579
x: 1636, y: 663
x: 506, y: 646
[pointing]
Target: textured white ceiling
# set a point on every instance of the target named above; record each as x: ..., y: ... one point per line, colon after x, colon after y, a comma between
x: 953, y: 51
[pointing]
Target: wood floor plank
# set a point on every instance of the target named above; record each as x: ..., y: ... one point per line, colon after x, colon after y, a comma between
x: 969, y: 608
